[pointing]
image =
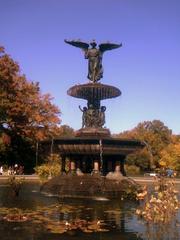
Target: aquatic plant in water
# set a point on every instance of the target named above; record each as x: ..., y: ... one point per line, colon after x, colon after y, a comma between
x: 15, y: 215
x: 159, y: 209
x: 49, y: 218
x: 15, y: 184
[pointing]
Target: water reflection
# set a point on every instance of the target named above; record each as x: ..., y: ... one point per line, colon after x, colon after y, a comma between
x: 53, y: 218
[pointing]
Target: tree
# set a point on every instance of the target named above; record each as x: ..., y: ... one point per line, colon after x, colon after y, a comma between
x: 26, y: 115
x: 170, y: 156
x: 141, y: 159
x: 66, y: 131
x: 155, y: 135
x: 24, y: 109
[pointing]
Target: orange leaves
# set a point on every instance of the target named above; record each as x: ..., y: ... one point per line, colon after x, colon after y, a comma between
x: 6, y: 139
x: 25, y: 109
x: 1, y: 49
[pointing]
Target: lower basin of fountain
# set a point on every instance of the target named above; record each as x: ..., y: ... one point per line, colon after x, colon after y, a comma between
x: 92, y: 186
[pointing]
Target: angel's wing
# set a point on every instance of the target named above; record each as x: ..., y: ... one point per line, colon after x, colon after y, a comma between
x: 78, y: 44
x: 108, y: 46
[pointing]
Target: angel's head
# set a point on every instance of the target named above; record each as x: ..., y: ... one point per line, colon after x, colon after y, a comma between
x: 93, y: 44
x: 103, y: 108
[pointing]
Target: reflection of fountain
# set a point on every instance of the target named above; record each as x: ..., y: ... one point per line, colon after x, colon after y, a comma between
x: 93, y: 150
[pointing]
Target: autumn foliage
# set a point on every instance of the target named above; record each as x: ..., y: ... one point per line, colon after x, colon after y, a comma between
x: 25, y: 113
x: 162, y: 148
x: 24, y: 110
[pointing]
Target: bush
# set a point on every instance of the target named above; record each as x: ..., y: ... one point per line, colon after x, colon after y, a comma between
x: 48, y: 170
x: 159, y: 211
x: 15, y: 184
x: 132, y: 170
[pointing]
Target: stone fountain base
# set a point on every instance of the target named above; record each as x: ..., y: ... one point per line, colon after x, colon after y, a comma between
x: 88, y: 186
x: 93, y: 132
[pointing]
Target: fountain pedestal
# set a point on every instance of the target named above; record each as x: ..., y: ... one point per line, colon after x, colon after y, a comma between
x: 93, y: 132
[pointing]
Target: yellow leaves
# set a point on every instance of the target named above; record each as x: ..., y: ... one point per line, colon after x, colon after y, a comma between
x: 163, y: 163
x: 160, y: 194
x: 170, y: 156
x: 141, y: 196
x: 160, y: 206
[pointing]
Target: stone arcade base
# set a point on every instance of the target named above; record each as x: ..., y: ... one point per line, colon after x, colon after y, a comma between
x: 88, y: 186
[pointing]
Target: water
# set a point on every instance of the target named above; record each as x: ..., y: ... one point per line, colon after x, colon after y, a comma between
x: 50, y: 218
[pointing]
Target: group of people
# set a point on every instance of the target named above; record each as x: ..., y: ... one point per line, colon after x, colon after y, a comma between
x: 16, y: 170
x: 13, y: 170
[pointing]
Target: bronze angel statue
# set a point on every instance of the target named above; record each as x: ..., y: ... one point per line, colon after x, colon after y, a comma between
x: 94, y: 56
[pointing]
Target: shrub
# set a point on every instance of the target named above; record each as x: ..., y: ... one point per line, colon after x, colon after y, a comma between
x: 132, y: 170
x: 159, y: 211
x: 51, y: 168
x: 48, y: 170
x: 15, y: 184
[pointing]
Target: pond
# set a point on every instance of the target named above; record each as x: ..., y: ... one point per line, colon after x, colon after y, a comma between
x: 51, y: 218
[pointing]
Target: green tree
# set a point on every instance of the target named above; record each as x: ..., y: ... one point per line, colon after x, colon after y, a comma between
x: 156, y: 136
x: 141, y: 159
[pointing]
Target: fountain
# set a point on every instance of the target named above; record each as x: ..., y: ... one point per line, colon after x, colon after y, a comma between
x: 96, y: 158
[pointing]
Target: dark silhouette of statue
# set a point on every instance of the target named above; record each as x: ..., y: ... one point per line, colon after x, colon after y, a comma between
x: 102, y: 116
x: 84, y: 116
x: 94, y: 55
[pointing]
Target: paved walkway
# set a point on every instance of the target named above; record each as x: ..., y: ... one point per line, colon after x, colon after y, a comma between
x: 27, y: 177
x: 151, y: 179
x: 137, y: 179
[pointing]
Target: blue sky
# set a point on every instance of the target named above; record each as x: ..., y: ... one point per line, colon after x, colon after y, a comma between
x: 146, y: 68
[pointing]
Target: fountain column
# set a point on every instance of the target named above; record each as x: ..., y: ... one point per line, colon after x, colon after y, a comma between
x: 117, y: 167
x: 72, y: 167
x: 96, y: 167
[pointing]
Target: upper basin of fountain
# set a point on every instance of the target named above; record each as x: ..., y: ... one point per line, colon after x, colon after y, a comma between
x: 91, y: 91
